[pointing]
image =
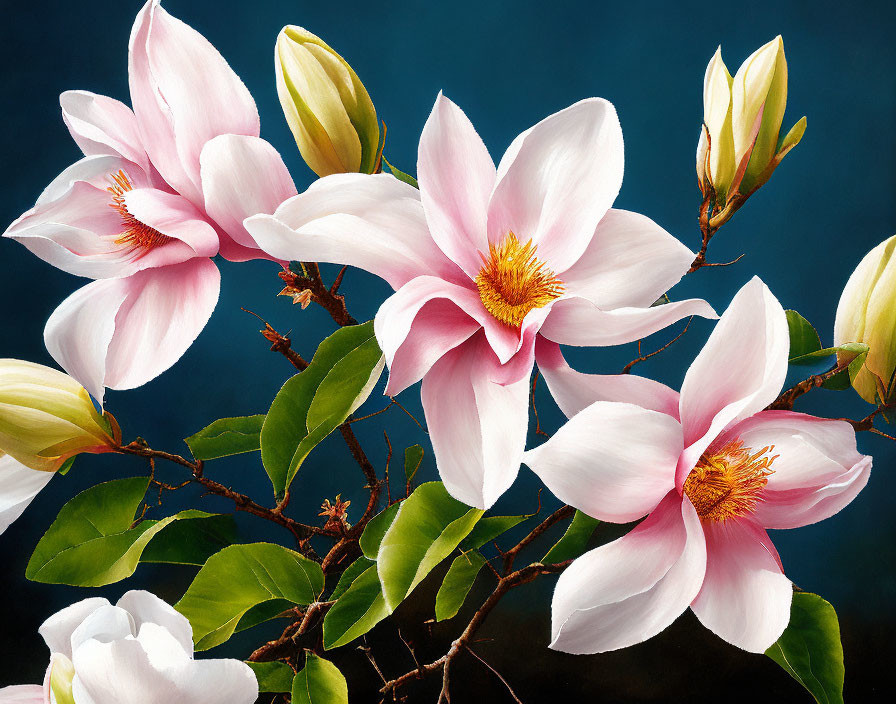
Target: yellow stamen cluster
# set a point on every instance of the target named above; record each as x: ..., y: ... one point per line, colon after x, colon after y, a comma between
x: 513, y: 281
x: 728, y: 481
x: 134, y: 233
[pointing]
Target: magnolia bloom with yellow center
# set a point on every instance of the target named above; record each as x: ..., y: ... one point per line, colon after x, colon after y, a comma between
x: 46, y: 418
x: 486, y: 259
x: 162, y: 188
x: 709, y: 468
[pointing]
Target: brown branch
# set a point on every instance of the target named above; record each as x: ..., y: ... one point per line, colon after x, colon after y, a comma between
x: 538, y: 430
x: 784, y: 402
x: 280, y: 343
x: 628, y: 367
x: 505, y: 584
x: 497, y: 674
x: 560, y: 514
x: 300, y: 531
x: 327, y: 298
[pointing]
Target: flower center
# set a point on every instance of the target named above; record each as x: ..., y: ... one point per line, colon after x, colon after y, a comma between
x: 728, y: 481
x: 134, y: 233
x: 513, y: 281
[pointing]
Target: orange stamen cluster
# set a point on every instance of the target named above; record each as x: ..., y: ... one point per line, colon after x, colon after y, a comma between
x: 728, y: 481
x: 512, y: 281
x: 134, y: 233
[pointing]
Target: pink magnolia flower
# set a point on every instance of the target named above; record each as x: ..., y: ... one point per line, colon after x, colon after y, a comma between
x: 483, y: 260
x: 161, y: 189
x: 711, y: 470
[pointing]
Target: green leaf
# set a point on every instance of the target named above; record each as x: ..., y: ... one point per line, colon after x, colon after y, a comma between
x: 375, y: 530
x: 803, y: 337
x: 265, y: 611
x: 457, y: 583
x: 351, y: 573
x: 319, y: 682
x: 191, y: 542
x: 847, y: 348
x: 273, y: 676
x: 227, y: 436
x: 574, y: 540
x: 843, y: 380
x: 810, y: 650
x: 427, y: 528
x: 401, y: 175
x: 67, y: 465
x: 490, y: 528
x: 356, y: 611
x: 240, y: 577
x: 413, y: 456
x: 313, y: 403
x: 91, y: 542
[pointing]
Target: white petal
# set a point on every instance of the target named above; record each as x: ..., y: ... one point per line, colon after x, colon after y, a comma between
x: 18, y: 486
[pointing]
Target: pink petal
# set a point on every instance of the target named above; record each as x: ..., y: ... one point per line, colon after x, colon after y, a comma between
x: 745, y: 597
x: 242, y: 176
x: 577, y: 321
x: 375, y: 223
x: 613, y: 461
x: 174, y: 217
x: 738, y: 372
x: 630, y: 262
x: 417, y: 325
x: 574, y: 390
x: 557, y: 180
x: 184, y: 94
x: 122, y: 333
x: 456, y: 177
x: 23, y: 694
x: 629, y: 590
x: 818, y: 470
x: 477, y: 427
x: 101, y: 125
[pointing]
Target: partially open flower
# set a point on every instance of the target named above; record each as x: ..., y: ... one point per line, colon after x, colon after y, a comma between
x: 326, y: 105
x: 740, y: 144
x: 867, y: 313
x: 46, y: 417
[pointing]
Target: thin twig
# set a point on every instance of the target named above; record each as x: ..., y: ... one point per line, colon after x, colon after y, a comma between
x: 784, y: 402
x: 496, y: 673
x: 628, y: 367
x: 538, y: 430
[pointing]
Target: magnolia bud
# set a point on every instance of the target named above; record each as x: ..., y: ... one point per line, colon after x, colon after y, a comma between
x: 46, y: 417
x: 740, y: 144
x: 867, y: 313
x: 326, y: 105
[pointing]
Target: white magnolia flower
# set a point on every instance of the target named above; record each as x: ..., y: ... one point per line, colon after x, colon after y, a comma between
x: 139, y: 651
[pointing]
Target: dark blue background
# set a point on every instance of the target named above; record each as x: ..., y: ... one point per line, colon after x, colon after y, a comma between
x: 508, y: 64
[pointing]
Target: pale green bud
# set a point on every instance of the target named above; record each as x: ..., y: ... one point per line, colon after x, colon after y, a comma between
x: 46, y: 417
x: 867, y: 313
x: 327, y: 107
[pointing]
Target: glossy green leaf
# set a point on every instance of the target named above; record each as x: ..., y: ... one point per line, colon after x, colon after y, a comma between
x: 574, y: 540
x: 489, y: 528
x: 273, y: 676
x: 239, y: 578
x: 843, y: 380
x: 191, y: 542
x: 413, y: 457
x: 810, y: 649
x: 265, y: 611
x: 313, y: 403
x: 91, y: 543
x: 803, y: 337
x: 356, y: 611
x: 375, y: 530
x: 457, y: 583
x: 854, y: 348
x: 401, y: 175
x: 351, y: 573
x: 429, y: 525
x: 227, y: 436
x: 319, y: 682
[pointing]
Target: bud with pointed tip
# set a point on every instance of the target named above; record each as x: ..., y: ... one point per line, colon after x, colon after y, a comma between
x: 867, y: 313
x: 327, y: 107
x: 740, y: 144
x: 46, y: 417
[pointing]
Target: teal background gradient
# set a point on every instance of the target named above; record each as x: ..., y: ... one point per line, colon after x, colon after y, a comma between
x: 507, y: 64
